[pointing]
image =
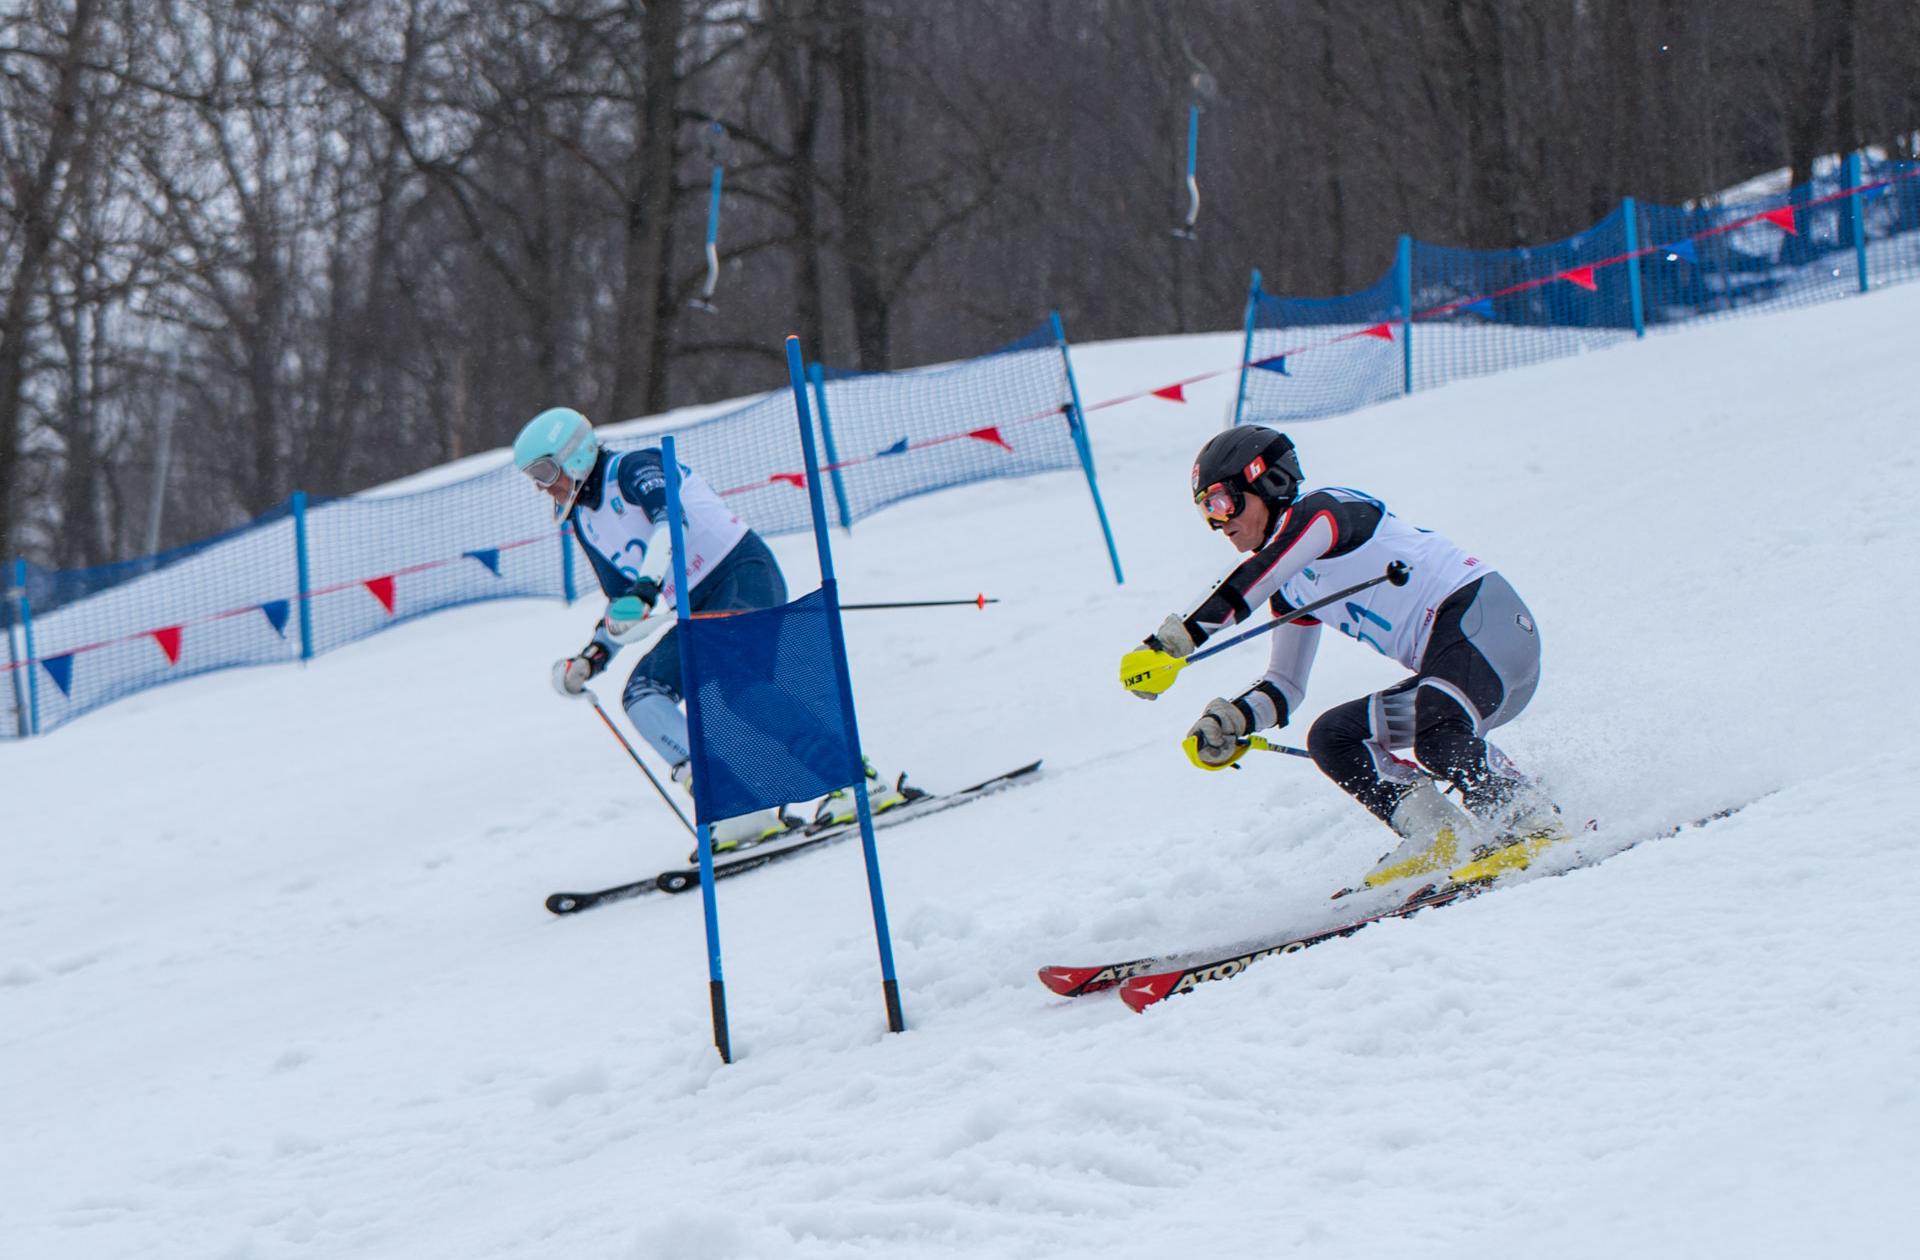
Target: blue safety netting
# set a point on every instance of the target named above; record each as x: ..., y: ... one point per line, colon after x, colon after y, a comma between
x: 899, y: 434
x: 92, y: 636
x: 1309, y: 357
x: 1642, y: 267
x: 1480, y: 311
x: 768, y: 713
x: 299, y: 582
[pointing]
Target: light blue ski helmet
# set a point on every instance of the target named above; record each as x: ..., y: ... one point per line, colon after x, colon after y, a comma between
x: 558, y: 440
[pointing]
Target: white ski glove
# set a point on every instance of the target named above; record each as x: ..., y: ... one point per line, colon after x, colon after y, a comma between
x: 1172, y: 637
x: 1218, y: 733
x: 570, y: 675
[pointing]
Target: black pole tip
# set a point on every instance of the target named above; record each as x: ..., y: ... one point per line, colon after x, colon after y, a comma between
x: 1398, y: 573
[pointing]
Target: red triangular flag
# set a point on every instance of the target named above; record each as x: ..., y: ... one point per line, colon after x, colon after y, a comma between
x: 1783, y: 217
x: 1382, y: 331
x: 382, y: 588
x: 169, y: 641
x: 1172, y: 393
x: 797, y: 480
x: 989, y: 434
x: 1581, y: 276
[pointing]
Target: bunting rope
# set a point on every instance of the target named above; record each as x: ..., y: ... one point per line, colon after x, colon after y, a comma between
x: 383, y: 587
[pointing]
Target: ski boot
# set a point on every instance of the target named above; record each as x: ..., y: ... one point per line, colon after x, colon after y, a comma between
x: 884, y: 792
x: 1522, y: 828
x: 742, y: 830
x: 1431, y: 828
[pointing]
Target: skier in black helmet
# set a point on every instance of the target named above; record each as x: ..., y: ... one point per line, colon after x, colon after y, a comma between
x: 1465, y: 633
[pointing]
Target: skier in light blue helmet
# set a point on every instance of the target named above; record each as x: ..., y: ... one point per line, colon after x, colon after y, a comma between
x: 616, y: 504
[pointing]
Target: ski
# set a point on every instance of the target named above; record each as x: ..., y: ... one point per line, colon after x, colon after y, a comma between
x: 1144, y: 981
x: 738, y: 862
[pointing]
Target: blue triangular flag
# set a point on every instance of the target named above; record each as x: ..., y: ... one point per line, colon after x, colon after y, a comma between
x: 1278, y: 363
x: 60, y: 669
x: 1681, y: 249
x: 489, y: 556
x: 898, y: 448
x: 1877, y: 190
x: 277, y: 610
x: 1482, y: 307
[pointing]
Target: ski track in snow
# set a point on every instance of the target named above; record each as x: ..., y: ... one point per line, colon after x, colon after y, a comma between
x: 275, y: 980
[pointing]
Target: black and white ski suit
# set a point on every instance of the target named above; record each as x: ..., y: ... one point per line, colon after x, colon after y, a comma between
x: 1471, y: 643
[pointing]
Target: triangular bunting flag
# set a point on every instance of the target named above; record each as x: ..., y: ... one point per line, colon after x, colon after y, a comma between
x: 1680, y: 250
x: 1172, y: 393
x: 1783, y: 219
x: 898, y: 448
x: 1278, y: 363
x: 169, y: 641
x: 1483, y: 307
x: 1382, y: 331
x: 489, y: 556
x: 797, y: 480
x: 382, y: 589
x: 60, y: 669
x: 1873, y: 190
x: 277, y: 610
x: 989, y: 434
x: 1582, y: 277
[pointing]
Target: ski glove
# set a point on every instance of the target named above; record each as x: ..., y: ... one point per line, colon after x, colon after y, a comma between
x: 1214, y: 741
x: 570, y: 675
x: 626, y: 615
x: 1173, y: 638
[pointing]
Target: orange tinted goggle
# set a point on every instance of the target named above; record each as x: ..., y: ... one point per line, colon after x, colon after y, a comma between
x: 1219, y: 504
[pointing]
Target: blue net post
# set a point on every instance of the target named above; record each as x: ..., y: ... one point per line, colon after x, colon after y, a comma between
x: 305, y: 599
x: 1856, y: 217
x: 883, y: 934
x: 568, y: 591
x: 1077, y: 423
x: 30, y: 711
x: 716, y: 981
x: 818, y: 375
x: 1246, y: 348
x: 1630, y: 215
x: 1403, y: 272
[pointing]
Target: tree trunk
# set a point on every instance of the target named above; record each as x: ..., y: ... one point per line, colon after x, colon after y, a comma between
x: 644, y: 327
x: 41, y: 199
x: 866, y: 287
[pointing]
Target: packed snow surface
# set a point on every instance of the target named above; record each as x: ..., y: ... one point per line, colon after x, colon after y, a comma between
x: 276, y: 980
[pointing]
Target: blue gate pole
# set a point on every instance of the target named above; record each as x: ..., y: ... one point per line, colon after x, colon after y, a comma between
x: 1857, y: 217
x: 1631, y: 210
x: 1077, y: 425
x: 818, y: 375
x: 306, y: 586
x: 696, y: 730
x: 1246, y: 348
x: 1403, y: 265
x: 568, y: 591
x: 829, y: 588
x: 30, y: 716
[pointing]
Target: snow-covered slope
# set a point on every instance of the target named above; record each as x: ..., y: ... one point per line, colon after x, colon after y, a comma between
x: 275, y: 979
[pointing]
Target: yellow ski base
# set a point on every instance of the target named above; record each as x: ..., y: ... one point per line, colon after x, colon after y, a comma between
x: 1436, y: 857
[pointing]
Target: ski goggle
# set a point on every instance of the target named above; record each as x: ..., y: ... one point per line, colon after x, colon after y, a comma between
x: 544, y: 471
x: 1219, y: 504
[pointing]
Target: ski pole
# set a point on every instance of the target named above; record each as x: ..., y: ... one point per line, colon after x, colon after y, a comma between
x: 1261, y: 744
x: 1147, y: 672
x: 671, y: 804
x: 1191, y: 746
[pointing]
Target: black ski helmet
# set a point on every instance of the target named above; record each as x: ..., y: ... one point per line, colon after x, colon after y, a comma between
x: 1242, y: 460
